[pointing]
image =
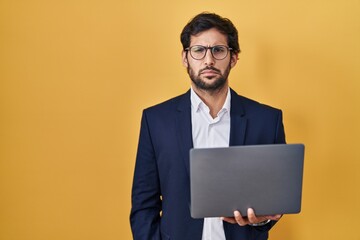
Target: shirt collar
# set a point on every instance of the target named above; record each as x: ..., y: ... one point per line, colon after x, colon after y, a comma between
x: 196, y: 101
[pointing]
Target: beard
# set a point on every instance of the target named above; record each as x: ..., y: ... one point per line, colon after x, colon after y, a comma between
x: 216, y: 83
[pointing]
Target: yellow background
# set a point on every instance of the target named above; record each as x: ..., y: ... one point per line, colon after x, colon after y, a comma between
x: 75, y: 76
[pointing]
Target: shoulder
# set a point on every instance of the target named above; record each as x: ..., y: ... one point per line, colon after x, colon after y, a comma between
x: 171, y: 105
x: 249, y: 106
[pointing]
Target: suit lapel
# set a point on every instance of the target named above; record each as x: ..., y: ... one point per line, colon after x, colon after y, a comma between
x: 238, y: 121
x: 185, y: 141
x: 184, y: 128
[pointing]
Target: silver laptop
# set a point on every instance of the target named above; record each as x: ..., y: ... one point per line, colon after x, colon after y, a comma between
x: 267, y: 178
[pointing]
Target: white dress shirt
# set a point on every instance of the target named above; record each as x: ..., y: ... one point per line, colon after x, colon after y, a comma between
x: 210, y: 132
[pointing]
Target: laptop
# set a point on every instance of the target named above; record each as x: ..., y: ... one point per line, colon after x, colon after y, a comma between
x: 267, y: 178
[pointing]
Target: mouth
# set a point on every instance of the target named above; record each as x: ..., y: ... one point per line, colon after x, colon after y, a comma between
x: 209, y: 72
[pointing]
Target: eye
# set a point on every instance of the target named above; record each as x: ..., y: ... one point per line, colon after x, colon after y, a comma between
x: 219, y: 49
x: 197, y: 49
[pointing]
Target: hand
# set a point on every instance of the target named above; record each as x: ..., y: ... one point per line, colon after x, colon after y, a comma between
x: 250, y: 219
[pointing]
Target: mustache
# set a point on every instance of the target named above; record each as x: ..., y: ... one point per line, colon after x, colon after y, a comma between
x: 210, y: 68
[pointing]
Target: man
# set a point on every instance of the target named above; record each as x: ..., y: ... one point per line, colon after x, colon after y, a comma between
x: 210, y: 114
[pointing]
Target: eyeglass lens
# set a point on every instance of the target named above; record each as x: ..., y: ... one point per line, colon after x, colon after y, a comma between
x: 218, y: 52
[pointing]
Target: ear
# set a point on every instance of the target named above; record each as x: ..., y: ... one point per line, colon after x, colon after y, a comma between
x: 184, y: 59
x: 233, y: 60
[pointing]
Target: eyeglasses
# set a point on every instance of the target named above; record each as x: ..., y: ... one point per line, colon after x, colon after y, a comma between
x: 218, y: 52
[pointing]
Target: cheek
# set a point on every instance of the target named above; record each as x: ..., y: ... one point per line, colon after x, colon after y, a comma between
x: 193, y: 67
x: 224, y: 67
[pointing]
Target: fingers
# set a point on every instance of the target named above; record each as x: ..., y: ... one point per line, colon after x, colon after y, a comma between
x: 237, y: 219
x: 242, y: 221
x: 253, y: 218
x: 251, y: 215
x: 250, y: 219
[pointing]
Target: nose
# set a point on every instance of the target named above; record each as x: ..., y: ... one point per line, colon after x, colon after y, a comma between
x: 209, y: 59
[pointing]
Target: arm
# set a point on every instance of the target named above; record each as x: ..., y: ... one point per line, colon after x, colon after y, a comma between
x: 146, y: 202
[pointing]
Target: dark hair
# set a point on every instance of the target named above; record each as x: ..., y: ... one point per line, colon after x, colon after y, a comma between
x: 205, y: 21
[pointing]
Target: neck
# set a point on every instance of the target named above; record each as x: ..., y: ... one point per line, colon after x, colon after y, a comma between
x: 214, y: 99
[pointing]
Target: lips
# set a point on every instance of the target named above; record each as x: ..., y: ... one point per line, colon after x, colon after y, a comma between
x: 207, y: 71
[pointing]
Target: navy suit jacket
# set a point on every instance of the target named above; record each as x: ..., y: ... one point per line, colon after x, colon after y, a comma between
x: 161, y: 185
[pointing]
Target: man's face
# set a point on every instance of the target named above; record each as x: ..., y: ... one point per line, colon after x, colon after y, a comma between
x: 209, y: 74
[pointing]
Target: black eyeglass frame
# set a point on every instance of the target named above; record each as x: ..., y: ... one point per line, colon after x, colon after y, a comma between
x: 229, y: 49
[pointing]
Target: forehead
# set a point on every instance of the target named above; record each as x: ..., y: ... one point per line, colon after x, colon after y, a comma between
x: 209, y: 37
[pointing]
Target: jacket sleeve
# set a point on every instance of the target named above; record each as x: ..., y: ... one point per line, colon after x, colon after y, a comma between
x: 146, y: 202
x: 280, y: 132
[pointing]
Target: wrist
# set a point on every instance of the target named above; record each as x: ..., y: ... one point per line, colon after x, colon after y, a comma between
x: 260, y: 223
